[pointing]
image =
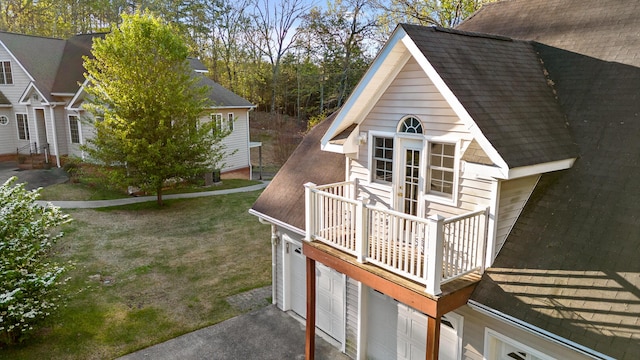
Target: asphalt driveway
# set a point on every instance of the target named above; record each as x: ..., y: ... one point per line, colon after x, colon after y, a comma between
x: 33, y: 178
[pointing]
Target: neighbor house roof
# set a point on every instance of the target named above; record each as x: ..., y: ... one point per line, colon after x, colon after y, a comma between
x: 221, y: 97
x: 40, y: 57
x: 570, y: 264
x: 501, y: 84
x: 283, y: 199
x: 70, y: 73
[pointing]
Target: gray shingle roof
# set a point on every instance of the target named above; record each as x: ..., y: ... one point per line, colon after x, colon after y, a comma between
x: 221, y: 96
x: 283, y: 199
x: 70, y: 73
x: 570, y: 265
x: 40, y: 56
x: 501, y: 83
x: 604, y: 29
x: 4, y: 100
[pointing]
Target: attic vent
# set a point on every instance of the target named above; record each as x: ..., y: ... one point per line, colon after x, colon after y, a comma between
x: 411, y: 125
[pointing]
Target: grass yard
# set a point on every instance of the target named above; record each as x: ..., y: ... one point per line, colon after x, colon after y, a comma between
x: 145, y: 274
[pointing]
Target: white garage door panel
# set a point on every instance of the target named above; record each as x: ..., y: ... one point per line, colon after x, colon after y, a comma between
x: 330, y: 288
x: 410, y: 337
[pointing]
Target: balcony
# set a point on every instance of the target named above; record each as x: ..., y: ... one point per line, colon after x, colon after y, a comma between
x: 429, y: 251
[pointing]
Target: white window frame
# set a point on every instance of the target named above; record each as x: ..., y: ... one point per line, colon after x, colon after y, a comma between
x: 372, y: 168
x: 435, y: 196
x: 493, y: 341
x: 78, y: 126
x: 4, y: 120
x: 230, y: 121
x: 25, y: 126
x: 217, y: 119
x: 3, y: 73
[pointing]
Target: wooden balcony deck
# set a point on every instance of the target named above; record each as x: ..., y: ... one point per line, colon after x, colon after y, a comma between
x: 432, y: 252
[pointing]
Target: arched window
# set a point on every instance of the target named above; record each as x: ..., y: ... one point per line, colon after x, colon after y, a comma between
x: 411, y: 125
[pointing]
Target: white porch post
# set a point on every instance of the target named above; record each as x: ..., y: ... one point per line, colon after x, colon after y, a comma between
x: 309, y: 210
x: 434, y: 252
x: 362, y: 227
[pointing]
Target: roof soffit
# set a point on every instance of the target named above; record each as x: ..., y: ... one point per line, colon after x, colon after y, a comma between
x: 373, y: 84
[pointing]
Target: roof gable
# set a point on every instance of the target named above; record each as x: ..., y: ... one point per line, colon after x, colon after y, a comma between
x: 38, y: 56
x: 494, y: 84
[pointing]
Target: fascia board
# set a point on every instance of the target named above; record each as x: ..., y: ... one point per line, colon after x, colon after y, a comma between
x: 16, y: 61
x: 77, y: 95
x: 494, y: 172
x: 384, y: 68
x: 540, y: 168
x: 24, y: 97
x: 455, y: 104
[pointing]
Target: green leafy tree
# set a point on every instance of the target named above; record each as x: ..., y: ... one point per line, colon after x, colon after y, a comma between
x: 146, y: 102
x: 29, y: 280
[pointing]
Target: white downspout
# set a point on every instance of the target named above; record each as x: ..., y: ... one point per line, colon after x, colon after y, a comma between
x: 275, y: 240
x: 55, y: 134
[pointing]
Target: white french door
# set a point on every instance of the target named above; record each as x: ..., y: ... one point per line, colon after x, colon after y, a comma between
x: 410, y: 179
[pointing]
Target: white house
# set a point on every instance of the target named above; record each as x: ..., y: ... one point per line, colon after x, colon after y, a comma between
x: 476, y: 196
x: 41, y: 101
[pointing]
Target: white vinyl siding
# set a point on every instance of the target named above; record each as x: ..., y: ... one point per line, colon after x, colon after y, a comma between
x: 237, y: 142
x: 412, y: 93
x: 351, y: 318
x: 8, y: 134
x: 513, y: 197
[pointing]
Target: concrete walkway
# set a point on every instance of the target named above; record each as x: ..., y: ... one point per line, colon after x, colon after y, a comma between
x: 94, y: 204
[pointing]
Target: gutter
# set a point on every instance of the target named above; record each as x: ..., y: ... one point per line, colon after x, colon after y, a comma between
x: 534, y: 330
x: 274, y: 221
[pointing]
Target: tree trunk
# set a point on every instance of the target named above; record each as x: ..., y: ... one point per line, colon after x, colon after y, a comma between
x: 159, y: 195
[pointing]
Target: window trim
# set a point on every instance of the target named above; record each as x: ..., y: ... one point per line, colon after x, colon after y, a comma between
x: 79, y: 129
x: 372, y: 169
x: 6, y: 120
x: 492, y: 339
x: 404, y: 119
x: 230, y: 121
x: 25, y: 126
x: 438, y: 197
x: 3, y: 73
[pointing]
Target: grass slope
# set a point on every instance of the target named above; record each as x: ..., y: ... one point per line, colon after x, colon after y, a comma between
x: 144, y: 275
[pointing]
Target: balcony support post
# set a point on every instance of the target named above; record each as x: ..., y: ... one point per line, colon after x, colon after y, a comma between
x: 362, y: 228
x: 434, y: 253
x: 309, y: 210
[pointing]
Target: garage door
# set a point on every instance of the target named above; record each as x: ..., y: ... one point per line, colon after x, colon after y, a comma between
x: 398, y: 331
x: 330, y: 288
x: 412, y: 334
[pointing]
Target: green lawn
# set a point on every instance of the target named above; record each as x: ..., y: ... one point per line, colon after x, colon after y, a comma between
x: 146, y: 274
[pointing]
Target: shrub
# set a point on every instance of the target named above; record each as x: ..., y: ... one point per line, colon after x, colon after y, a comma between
x: 29, y: 281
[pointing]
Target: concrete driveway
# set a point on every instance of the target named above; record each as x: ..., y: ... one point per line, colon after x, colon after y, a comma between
x: 265, y: 334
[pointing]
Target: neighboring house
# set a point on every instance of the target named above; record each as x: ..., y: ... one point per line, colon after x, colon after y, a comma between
x: 41, y: 101
x: 477, y: 195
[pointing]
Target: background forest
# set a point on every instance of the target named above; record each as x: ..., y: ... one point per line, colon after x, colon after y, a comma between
x: 295, y: 57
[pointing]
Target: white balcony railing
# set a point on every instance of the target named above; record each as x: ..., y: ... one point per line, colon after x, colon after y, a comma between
x: 430, y: 251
